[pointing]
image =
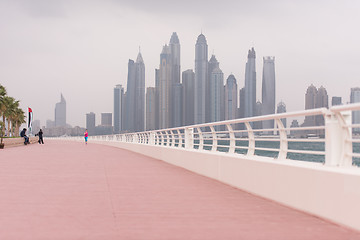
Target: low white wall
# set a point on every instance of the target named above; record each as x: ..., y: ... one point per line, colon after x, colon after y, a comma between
x: 329, y: 192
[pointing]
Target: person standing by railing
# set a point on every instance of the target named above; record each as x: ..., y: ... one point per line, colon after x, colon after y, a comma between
x: 86, y: 136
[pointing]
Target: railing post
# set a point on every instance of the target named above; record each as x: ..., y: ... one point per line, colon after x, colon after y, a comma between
x: 232, y: 138
x: 180, y: 139
x: 214, y: 139
x: 189, y: 139
x: 170, y: 137
x: 251, y: 137
x: 151, y: 138
x: 337, y: 135
x: 283, y: 140
x: 157, y: 140
x: 201, y: 139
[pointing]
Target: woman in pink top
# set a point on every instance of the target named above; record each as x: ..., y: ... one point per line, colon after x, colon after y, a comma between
x: 86, y: 136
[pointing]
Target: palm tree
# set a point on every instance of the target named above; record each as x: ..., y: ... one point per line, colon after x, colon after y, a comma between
x: 19, y: 118
x: 8, y: 109
x: 2, y: 95
x: 12, y: 110
x: 2, y: 92
x: 2, y: 109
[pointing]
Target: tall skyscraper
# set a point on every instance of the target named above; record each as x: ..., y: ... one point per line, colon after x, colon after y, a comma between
x: 174, y: 45
x: 250, y: 84
x: 176, y: 87
x: 165, y: 85
x: 90, y: 123
x: 118, y: 110
x: 242, y: 102
x: 188, y: 81
x: 212, y: 65
x: 135, y: 96
x: 139, y: 94
x: 310, y: 101
x: 157, y: 99
x: 106, y: 119
x: 315, y: 98
x: 177, y: 109
x: 268, y: 90
x: 130, y: 98
x: 322, y: 100
x: 201, y: 75
x: 217, y: 99
x: 355, y: 98
x: 231, y: 98
x: 150, y: 108
x: 258, y: 112
x: 60, y: 113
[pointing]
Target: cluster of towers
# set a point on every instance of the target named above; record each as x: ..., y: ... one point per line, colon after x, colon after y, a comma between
x: 190, y: 97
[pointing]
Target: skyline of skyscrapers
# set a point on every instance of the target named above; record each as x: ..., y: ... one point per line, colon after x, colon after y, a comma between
x: 200, y: 95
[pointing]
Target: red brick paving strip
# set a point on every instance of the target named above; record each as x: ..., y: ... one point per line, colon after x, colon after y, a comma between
x: 67, y: 190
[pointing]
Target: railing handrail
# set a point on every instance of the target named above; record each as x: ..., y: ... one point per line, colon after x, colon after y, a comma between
x: 335, y: 133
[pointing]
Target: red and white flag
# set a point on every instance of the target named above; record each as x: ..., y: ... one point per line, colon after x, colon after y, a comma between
x: 30, y: 119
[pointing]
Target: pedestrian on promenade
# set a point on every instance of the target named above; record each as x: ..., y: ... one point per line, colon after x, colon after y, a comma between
x: 86, y: 136
x: 40, y: 134
x: 26, y: 138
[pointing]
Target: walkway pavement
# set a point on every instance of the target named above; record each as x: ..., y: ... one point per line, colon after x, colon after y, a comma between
x: 67, y: 190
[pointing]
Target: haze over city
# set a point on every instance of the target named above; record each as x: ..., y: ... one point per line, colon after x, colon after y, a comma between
x: 81, y: 49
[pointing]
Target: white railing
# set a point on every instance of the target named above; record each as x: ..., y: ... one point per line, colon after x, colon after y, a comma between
x: 330, y: 141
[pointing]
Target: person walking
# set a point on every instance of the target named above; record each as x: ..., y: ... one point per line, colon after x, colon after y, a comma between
x: 86, y: 136
x: 40, y: 134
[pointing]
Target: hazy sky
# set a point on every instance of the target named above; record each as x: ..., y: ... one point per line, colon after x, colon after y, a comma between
x: 81, y: 48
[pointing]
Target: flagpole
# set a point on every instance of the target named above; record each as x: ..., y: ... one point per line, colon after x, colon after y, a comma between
x: 27, y: 119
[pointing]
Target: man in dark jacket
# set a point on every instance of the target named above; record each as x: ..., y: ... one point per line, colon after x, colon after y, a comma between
x: 26, y: 138
x: 40, y: 134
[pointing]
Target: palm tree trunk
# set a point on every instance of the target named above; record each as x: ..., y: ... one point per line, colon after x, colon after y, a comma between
x: 9, y: 129
x: 3, y: 130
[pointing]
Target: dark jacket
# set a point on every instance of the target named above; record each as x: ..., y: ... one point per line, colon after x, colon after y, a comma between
x: 40, y: 134
x: 22, y: 134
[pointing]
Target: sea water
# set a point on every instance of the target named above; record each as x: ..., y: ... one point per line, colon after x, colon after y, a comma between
x: 223, y: 146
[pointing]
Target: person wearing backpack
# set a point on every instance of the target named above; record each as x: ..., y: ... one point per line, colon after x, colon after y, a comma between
x: 26, y: 138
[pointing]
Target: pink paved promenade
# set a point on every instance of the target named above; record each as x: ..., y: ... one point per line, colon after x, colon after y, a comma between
x: 66, y: 190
